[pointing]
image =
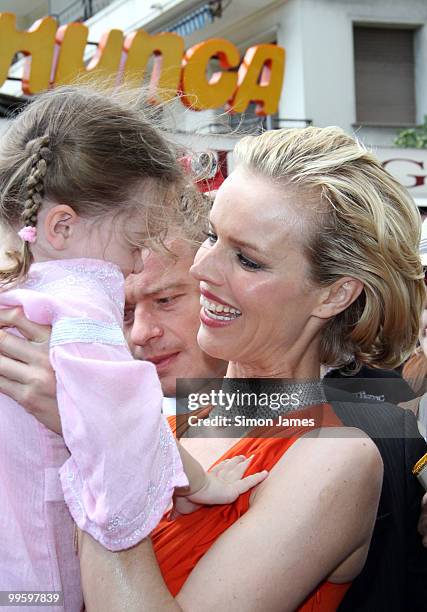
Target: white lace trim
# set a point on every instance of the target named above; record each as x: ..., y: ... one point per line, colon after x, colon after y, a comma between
x: 68, y: 330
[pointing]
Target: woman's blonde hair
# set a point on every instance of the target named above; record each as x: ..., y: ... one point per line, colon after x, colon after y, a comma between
x: 91, y: 150
x: 367, y: 227
x: 415, y: 371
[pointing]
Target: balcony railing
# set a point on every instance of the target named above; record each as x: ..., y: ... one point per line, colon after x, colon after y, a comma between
x: 196, y: 19
x: 79, y: 10
x: 250, y: 123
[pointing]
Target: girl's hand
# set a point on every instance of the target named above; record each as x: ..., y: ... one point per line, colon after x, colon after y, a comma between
x: 223, y: 485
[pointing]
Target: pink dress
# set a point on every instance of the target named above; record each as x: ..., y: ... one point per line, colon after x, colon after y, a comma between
x: 117, y: 463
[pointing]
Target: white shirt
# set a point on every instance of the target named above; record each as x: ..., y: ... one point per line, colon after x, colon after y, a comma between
x: 169, y: 406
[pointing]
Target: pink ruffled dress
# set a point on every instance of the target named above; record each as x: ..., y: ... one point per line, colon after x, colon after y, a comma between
x: 117, y: 463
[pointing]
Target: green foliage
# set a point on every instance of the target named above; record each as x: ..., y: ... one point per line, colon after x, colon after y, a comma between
x: 413, y: 137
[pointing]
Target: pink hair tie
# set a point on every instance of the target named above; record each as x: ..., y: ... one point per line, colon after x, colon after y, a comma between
x: 28, y: 233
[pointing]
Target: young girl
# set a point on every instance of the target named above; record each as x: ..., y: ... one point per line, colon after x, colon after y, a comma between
x: 84, y: 180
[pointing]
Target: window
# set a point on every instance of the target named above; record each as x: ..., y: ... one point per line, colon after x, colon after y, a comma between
x: 384, y: 73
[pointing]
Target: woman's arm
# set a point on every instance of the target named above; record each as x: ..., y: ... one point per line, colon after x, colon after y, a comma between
x: 313, y: 515
x: 128, y: 580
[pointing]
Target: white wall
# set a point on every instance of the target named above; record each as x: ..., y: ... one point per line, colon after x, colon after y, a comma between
x: 328, y: 63
x: 327, y: 47
x: 317, y: 36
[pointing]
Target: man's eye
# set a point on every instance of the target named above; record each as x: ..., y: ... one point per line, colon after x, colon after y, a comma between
x: 211, y: 237
x: 129, y: 315
x: 167, y: 300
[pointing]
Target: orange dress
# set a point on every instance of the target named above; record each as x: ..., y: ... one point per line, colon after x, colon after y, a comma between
x: 179, y: 544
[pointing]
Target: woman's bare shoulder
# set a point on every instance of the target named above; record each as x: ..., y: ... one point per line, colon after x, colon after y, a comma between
x: 331, y: 455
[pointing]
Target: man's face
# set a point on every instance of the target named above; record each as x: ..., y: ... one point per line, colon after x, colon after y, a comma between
x: 162, y: 318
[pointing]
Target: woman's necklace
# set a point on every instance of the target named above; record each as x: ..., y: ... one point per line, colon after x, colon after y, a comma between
x: 266, y: 398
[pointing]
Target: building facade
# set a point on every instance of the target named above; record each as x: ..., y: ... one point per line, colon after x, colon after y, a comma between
x: 358, y: 64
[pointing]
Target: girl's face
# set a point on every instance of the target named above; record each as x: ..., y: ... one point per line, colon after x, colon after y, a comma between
x: 116, y: 238
x: 257, y: 301
x: 111, y: 240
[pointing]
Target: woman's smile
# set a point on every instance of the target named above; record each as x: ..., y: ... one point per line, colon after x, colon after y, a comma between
x: 216, y: 311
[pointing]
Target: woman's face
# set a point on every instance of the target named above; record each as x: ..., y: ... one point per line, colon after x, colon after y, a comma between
x: 257, y: 302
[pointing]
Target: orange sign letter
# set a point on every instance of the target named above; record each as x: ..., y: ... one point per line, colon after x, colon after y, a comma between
x: 260, y: 79
x: 200, y: 93
x: 168, y: 49
x: 72, y: 39
x: 38, y: 42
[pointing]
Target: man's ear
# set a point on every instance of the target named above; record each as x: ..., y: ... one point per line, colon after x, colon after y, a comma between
x: 59, y: 225
x: 338, y: 296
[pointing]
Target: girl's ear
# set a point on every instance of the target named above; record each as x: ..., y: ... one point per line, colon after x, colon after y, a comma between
x: 59, y: 226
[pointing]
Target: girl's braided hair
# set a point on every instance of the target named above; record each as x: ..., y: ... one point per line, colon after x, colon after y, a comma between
x: 92, y: 150
x: 40, y: 155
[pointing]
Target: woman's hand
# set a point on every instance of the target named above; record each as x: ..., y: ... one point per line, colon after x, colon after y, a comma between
x: 223, y: 485
x: 25, y: 371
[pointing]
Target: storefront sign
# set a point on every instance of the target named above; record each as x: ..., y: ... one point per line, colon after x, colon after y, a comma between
x: 55, y: 57
x: 409, y: 166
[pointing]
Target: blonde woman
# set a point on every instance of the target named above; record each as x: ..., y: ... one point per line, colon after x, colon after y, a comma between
x: 312, y: 251
x: 313, y: 247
